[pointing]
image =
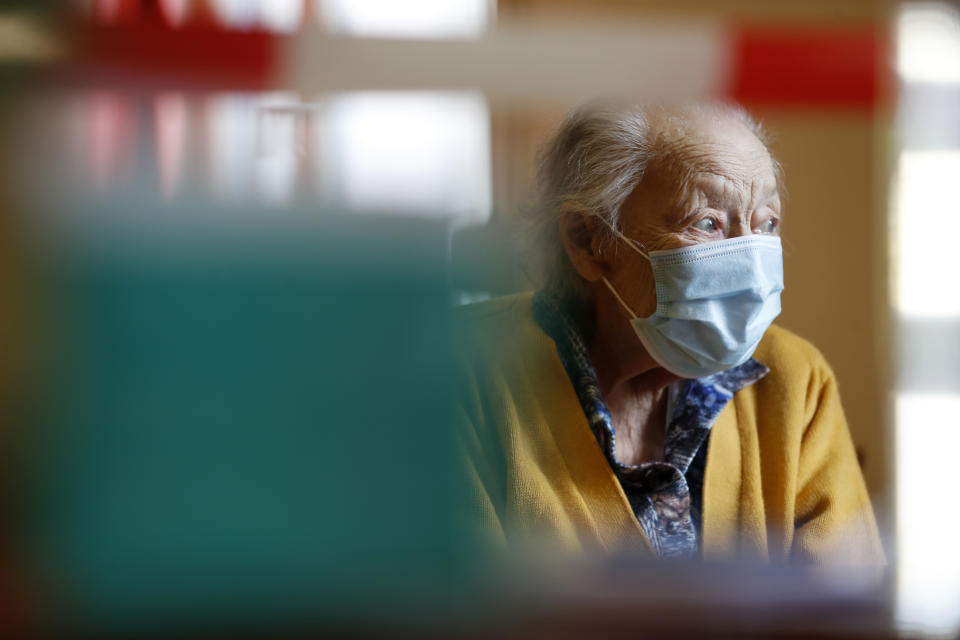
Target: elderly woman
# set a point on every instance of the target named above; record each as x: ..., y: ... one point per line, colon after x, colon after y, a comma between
x: 641, y: 399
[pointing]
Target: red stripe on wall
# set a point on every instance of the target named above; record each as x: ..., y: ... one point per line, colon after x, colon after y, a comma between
x: 836, y: 66
x: 156, y: 55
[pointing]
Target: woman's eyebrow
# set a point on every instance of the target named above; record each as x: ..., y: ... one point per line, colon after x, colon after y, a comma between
x: 687, y: 209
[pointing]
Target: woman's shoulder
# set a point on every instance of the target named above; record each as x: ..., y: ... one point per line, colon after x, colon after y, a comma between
x: 799, y: 378
x: 496, y: 323
x: 798, y: 383
x: 500, y: 340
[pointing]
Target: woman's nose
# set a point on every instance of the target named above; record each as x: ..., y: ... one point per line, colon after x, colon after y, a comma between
x: 738, y: 228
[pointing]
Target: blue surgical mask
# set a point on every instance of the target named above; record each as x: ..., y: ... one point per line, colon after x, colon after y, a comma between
x: 715, y: 300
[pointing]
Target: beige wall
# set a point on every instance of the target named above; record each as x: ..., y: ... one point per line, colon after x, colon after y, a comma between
x: 834, y: 263
x: 835, y: 218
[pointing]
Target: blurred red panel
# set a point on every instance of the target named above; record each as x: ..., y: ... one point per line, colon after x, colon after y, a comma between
x: 810, y: 66
x: 115, y: 11
x: 156, y: 55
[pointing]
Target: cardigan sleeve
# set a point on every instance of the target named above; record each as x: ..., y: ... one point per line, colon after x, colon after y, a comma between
x: 482, y: 511
x: 483, y: 467
x: 834, y: 521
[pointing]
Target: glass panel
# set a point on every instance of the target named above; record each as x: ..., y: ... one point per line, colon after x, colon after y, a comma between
x: 927, y: 299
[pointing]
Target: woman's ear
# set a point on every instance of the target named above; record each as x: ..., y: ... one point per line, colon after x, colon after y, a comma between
x: 582, y: 239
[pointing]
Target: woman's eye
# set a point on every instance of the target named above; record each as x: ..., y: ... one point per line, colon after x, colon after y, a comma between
x: 768, y: 226
x: 706, y: 224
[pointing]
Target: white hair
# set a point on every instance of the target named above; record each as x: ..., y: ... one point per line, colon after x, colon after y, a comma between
x: 594, y: 161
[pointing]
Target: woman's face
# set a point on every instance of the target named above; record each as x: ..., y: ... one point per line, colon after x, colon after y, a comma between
x: 718, y: 182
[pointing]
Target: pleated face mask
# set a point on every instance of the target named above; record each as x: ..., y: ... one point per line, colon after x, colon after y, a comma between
x: 715, y: 300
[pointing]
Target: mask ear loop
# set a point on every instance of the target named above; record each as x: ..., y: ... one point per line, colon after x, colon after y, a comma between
x: 616, y: 295
x: 633, y: 244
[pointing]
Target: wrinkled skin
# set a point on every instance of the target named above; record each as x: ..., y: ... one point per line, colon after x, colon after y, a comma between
x: 713, y: 180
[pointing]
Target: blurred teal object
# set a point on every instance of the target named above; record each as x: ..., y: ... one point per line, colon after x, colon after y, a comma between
x: 248, y: 423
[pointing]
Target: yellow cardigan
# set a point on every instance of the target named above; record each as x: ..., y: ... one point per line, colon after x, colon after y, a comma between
x: 781, y: 483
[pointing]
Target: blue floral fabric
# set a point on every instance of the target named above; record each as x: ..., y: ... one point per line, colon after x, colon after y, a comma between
x: 666, y: 496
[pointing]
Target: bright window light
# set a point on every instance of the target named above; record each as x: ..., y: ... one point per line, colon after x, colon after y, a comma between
x: 429, y: 19
x: 283, y: 16
x: 928, y: 42
x: 928, y: 575
x: 926, y: 211
x: 926, y: 261
x: 421, y: 153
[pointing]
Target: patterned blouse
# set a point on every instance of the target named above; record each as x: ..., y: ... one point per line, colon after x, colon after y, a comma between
x: 666, y: 496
